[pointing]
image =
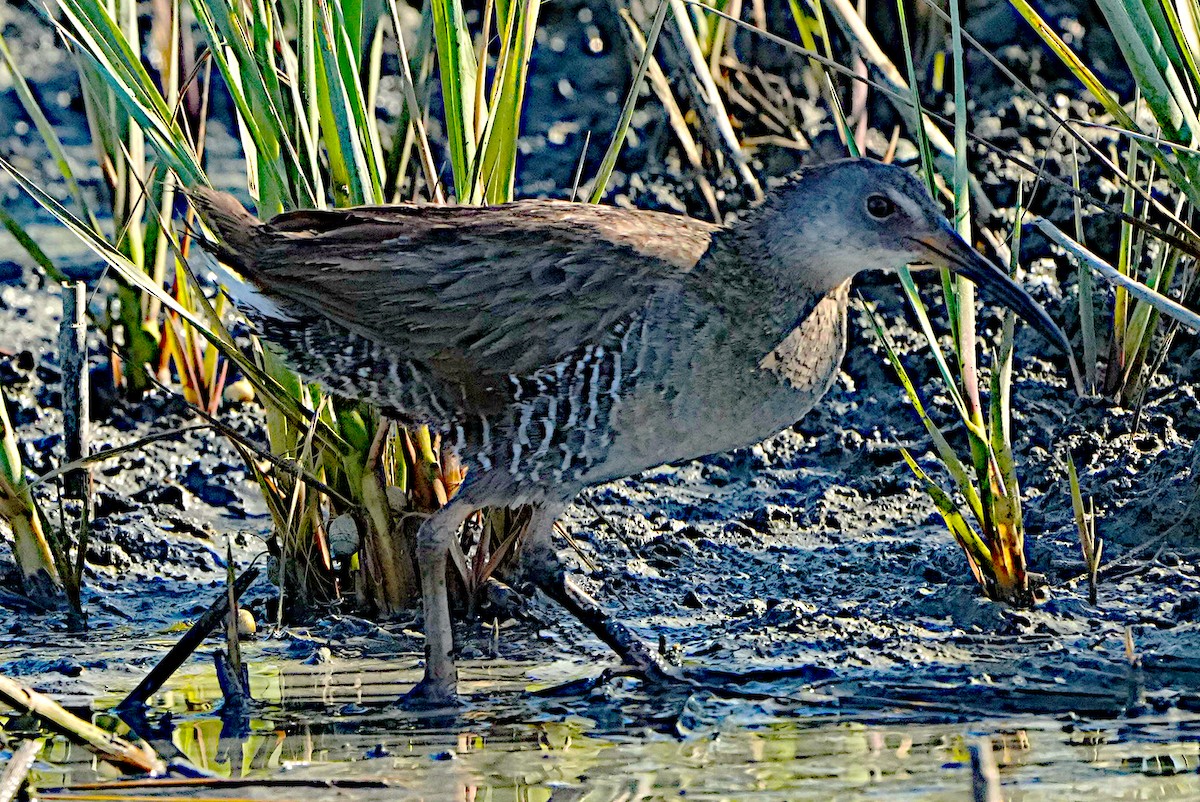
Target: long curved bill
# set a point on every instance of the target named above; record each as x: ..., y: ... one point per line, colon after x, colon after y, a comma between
x: 948, y: 249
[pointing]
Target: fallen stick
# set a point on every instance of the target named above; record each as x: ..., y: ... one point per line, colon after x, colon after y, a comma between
x: 188, y: 644
x: 107, y: 746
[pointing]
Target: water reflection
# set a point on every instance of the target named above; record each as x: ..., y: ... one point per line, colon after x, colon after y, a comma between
x: 325, y: 733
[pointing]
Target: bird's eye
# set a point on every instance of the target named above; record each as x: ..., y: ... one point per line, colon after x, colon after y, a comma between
x: 880, y: 207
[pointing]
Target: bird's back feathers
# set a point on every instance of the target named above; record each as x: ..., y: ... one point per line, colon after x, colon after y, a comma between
x: 471, y: 294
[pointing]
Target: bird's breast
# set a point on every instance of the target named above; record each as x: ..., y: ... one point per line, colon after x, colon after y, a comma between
x: 788, y: 380
x: 711, y: 394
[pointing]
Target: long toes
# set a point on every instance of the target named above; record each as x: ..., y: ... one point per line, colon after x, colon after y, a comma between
x: 803, y: 673
x: 664, y: 672
x: 430, y: 694
x: 499, y: 601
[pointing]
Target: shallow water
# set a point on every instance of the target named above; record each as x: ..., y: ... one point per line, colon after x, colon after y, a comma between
x: 327, y: 732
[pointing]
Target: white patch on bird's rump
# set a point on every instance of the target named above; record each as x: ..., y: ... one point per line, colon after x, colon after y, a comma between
x: 245, y: 296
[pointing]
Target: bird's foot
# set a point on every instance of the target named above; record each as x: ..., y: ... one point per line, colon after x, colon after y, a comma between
x: 432, y: 694
x: 653, y: 666
x: 652, y: 677
x: 656, y: 669
x: 642, y: 663
x: 500, y: 602
x: 755, y: 684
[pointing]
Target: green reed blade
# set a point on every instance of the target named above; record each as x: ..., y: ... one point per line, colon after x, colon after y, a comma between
x: 609, y: 162
x: 459, y: 72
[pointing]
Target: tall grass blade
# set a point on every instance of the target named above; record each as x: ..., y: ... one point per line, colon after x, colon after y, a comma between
x: 413, y: 106
x: 459, y: 72
x: 31, y: 247
x: 923, y: 146
x: 955, y: 466
x: 1098, y: 90
x: 355, y: 158
x: 495, y: 175
x: 1087, y: 324
x: 34, y: 109
x: 978, y: 555
x: 609, y: 162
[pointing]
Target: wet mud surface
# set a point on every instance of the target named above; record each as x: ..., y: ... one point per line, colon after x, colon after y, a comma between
x: 817, y: 548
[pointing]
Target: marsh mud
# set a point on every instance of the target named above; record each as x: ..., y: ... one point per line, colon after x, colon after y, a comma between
x: 817, y: 548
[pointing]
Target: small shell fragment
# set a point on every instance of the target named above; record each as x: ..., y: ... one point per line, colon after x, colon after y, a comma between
x: 238, y: 392
x: 245, y: 624
x: 343, y: 536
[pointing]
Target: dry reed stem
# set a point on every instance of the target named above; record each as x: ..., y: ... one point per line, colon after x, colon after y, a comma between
x: 104, y: 744
x: 17, y: 769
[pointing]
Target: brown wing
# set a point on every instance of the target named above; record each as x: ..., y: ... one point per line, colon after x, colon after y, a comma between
x: 475, y: 292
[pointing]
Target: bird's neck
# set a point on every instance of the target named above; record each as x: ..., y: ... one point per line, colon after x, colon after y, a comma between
x: 761, y: 302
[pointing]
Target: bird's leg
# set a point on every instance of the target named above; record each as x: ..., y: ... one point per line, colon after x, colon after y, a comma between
x: 439, y: 687
x: 545, y: 568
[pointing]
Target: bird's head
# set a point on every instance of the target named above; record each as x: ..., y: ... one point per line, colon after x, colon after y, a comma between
x: 833, y: 220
